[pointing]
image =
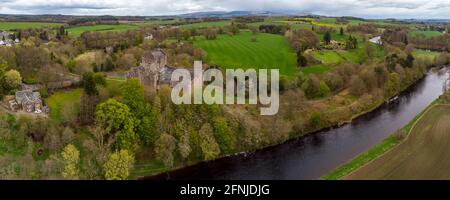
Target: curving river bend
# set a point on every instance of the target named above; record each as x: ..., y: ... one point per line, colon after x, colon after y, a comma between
x: 312, y: 156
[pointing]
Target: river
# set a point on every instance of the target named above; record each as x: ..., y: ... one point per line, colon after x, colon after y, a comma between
x: 314, y: 155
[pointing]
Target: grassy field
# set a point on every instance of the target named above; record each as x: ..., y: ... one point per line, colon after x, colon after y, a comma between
x: 77, y: 31
x: 25, y: 25
x: 269, y: 51
x: 425, y: 33
x: 207, y: 24
x: 423, y: 155
x: 425, y: 54
x: 315, y: 69
x: 60, y: 99
x: 328, y: 57
x: 158, y: 22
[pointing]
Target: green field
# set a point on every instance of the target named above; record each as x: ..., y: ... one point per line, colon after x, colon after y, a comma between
x: 315, y: 69
x: 26, y: 25
x: 206, y: 24
x: 77, y: 31
x: 423, y: 155
x: 158, y: 22
x: 328, y: 57
x: 269, y: 51
x: 425, y: 33
x: 425, y: 54
x: 60, y: 99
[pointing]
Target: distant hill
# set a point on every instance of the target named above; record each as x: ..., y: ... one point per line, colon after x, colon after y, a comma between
x: 223, y: 14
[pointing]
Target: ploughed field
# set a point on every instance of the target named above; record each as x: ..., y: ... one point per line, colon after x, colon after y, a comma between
x: 239, y: 51
x: 423, y: 155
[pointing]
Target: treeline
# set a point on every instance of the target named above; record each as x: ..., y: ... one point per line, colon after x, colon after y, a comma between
x: 438, y: 43
x: 101, y: 40
x: 363, y: 28
x: 94, y: 21
x: 370, y: 84
x: 274, y: 29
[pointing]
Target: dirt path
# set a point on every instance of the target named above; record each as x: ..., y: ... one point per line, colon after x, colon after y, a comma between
x: 423, y: 155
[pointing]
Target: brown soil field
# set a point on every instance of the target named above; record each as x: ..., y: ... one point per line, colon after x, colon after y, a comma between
x: 425, y: 154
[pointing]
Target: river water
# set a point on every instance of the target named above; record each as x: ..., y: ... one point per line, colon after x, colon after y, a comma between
x: 313, y: 156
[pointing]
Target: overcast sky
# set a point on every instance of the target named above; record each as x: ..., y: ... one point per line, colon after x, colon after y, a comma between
x: 359, y: 8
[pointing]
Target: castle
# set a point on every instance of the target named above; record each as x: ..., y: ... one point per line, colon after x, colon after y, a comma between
x: 153, y: 71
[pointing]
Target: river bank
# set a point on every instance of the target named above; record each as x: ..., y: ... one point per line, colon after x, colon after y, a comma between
x: 303, y: 145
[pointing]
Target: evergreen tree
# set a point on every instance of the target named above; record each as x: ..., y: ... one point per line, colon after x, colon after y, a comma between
x: 327, y: 37
x: 89, y: 84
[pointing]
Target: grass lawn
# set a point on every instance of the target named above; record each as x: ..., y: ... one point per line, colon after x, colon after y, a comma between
x: 425, y: 33
x: 315, y: 69
x: 58, y: 100
x: 328, y: 57
x: 425, y: 54
x: 25, y: 25
x: 269, y: 51
x: 77, y: 31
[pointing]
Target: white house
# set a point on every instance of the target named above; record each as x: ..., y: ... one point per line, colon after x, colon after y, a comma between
x: 376, y: 40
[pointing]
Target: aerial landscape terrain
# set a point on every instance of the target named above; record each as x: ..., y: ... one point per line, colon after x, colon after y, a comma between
x: 88, y: 96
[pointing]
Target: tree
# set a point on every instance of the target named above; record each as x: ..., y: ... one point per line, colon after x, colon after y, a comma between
x: 118, y: 165
x: 409, y: 61
x: 89, y: 84
x: 224, y: 135
x: 393, y: 84
x: 71, y: 64
x: 357, y: 86
x: 210, y: 148
x: 71, y: 157
x: 315, y: 88
x: 117, y: 120
x: 13, y: 80
x: 126, y: 61
x: 133, y: 94
x: 341, y: 31
x: 87, y: 109
x: 301, y: 59
x: 327, y: 37
x: 164, y: 148
x: 100, y: 78
x: 184, y: 146
x: 2, y: 77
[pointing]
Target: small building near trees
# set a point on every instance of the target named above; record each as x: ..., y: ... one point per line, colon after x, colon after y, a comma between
x: 27, y: 101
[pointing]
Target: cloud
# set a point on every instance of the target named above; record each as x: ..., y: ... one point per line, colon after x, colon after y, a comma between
x: 359, y: 8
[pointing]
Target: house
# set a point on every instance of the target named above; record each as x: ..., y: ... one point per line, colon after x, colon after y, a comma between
x: 27, y: 101
x: 376, y: 40
x: 149, y: 37
x: 8, y: 39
